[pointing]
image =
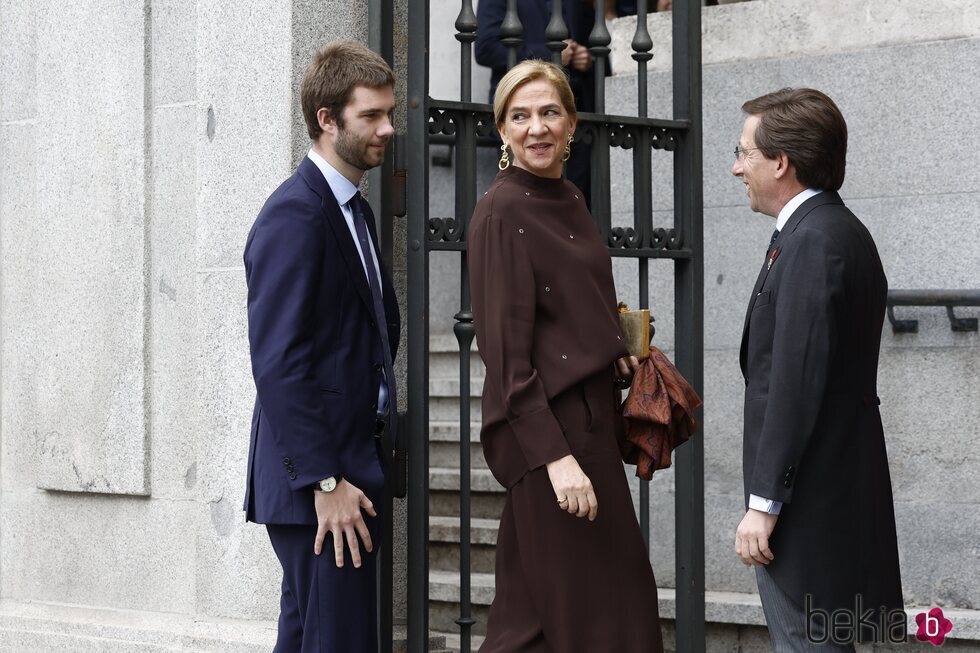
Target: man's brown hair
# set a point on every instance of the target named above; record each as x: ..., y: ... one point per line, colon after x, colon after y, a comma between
x: 329, y: 81
x: 806, y: 125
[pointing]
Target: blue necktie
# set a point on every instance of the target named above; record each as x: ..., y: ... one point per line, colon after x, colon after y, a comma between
x: 357, y: 206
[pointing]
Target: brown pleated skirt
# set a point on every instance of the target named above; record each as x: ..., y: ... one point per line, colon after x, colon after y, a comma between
x: 565, y: 584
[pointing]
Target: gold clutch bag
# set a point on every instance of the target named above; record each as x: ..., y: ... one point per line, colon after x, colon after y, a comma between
x: 635, y: 326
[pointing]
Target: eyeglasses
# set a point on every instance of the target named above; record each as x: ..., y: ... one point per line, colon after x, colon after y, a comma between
x: 740, y: 152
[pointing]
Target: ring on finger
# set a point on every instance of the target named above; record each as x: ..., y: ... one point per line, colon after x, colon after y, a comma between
x: 562, y: 500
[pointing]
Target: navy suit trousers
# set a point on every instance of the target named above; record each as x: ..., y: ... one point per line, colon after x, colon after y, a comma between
x: 326, y: 609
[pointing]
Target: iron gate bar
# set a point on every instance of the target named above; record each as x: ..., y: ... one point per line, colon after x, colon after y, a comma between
x: 556, y: 32
x: 642, y: 204
x: 380, y: 194
x: 465, y: 151
x: 675, y: 126
x: 599, y: 47
x: 689, y: 325
x: 511, y: 33
x: 418, y: 326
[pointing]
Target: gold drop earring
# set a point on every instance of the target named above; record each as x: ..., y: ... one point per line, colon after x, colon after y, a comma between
x: 504, y: 162
x: 568, y: 147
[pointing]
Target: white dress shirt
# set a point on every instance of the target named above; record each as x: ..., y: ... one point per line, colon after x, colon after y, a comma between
x: 343, y: 190
x: 755, y: 501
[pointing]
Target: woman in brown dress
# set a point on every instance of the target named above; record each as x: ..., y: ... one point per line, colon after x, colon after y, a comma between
x: 572, y: 574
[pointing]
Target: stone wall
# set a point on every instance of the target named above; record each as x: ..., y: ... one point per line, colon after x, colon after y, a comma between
x: 138, y: 141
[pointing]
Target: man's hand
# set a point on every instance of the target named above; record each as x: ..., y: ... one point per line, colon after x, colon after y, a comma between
x: 581, y: 58
x: 752, y: 537
x: 569, y: 52
x: 339, y: 512
x: 571, y: 484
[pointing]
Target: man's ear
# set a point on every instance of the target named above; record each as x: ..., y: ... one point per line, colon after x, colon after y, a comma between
x: 325, y: 119
x: 782, y: 165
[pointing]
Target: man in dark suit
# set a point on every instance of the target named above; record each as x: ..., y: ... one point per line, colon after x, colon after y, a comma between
x: 323, y: 329
x: 819, y: 524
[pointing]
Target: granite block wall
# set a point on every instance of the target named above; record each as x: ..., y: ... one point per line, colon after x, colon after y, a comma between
x: 137, y: 143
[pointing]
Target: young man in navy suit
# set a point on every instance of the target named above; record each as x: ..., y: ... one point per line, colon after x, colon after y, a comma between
x: 323, y: 330
x: 819, y: 525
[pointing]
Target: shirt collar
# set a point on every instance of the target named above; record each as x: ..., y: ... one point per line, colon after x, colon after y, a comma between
x: 340, y: 185
x: 792, y: 205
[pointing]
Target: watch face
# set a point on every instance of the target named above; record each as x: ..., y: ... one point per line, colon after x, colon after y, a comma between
x: 329, y: 484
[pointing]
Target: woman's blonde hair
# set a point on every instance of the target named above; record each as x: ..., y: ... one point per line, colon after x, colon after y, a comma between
x: 524, y: 73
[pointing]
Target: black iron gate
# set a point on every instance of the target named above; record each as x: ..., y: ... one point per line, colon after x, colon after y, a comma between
x: 466, y: 124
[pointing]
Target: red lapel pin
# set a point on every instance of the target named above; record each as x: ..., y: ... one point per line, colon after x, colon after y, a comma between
x: 772, y: 258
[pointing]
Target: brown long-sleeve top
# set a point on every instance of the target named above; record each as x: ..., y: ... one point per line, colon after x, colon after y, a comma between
x: 544, y: 307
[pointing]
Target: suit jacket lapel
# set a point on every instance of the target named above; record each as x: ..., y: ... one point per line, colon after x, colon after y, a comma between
x: 826, y: 197
x: 335, y: 218
x: 387, y: 289
x: 761, y: 279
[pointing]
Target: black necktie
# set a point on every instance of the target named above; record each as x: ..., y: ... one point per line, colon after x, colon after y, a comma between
x: 772, y: 241
x: 360, y: 226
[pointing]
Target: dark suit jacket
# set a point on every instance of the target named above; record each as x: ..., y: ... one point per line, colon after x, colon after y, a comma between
x: 534, y: 16
x: 813, y: 437
x: 316, y: 351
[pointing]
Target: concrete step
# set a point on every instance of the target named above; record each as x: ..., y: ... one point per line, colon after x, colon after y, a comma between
x: 450, y: 386
x: 444, y: 544
x: 444, y: 358
x: 454, y: 644
x: 448, y: 431
x: 444, y: 394
x: 446, y: 529
x: 486, y: 498
x: 446, y: 366
x: 446, y: 409
x: 447, y: 454
x: 482, y: 505
x: 444, y: 587
x: 444, y: 445
x: 444, y: 600
x: 437, y: 641
x: 447, y: 479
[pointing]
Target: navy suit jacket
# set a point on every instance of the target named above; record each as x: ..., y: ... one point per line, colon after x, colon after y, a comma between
x: 316, y: 351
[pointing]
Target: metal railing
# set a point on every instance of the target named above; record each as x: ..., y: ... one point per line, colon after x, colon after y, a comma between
x: 949, y: 299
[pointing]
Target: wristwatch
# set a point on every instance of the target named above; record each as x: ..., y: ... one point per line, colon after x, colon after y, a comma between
x: 329, y: 484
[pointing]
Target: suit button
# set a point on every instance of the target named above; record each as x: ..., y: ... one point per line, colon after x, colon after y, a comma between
x: 374, y: 407
x: 788, y: 483
x: 292, y: 476
x: 286, y: 461
x: 377, y: 367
